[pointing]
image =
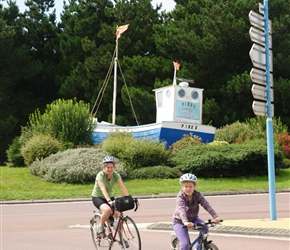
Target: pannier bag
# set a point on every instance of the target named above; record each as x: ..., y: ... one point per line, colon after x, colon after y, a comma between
x: 124, y: 203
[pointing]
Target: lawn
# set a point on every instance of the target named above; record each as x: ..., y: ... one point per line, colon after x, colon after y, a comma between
x: 19, y: 184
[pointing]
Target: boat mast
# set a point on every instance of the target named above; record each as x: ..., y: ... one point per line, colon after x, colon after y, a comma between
x: 119, y: 31
x: 115, y: 86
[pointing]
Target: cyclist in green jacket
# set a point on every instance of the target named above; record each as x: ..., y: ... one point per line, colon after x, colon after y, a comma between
x: 102, y: 195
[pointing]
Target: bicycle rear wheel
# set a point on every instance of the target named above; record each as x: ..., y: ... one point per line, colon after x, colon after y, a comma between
x: 211, y: 246
x: 100, y: 242
x: 129, y: 234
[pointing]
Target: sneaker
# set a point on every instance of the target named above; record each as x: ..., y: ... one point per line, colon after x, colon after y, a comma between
x: 100, y: 231
x: 126, y: 244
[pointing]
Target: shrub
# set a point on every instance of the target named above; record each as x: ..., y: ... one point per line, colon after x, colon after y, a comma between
x: 286, y: 163
x: 118, y: 144
x: 136, y: 153
x: 157, y: 172
x: 40, y: 146
x: 233, y: 160
x: 66, y: 120
x: 237, y: 132
x: 14, y: 155
x: 73, y: 166
x: 258, y: 126
x: 284, y: 141
x: 187, y: 140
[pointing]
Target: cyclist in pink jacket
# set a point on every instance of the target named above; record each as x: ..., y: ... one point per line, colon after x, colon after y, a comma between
x: 187, y: 209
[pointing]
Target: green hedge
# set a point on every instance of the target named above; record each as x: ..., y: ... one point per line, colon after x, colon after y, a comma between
x: 157, y: 172
x: 233, y: 160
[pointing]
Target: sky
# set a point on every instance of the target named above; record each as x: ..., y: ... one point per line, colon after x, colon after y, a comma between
x: 166, y: 5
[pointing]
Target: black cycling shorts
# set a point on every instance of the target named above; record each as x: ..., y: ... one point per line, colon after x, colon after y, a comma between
x: 97, y: 201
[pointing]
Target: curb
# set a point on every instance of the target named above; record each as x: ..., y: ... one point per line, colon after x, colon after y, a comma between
x: 274, y: 232
x: 260, y: 191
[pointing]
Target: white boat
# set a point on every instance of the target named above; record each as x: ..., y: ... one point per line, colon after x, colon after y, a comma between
x: 178, y: 113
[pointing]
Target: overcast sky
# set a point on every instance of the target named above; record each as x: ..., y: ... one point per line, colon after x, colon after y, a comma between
x: 166, y: 5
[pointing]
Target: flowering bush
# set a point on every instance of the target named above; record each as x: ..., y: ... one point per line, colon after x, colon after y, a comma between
x: 284, y: 142
x: 187, y: 140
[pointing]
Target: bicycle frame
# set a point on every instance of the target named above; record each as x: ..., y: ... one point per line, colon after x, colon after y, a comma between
x: 125, y: 233
x: 202, y: 237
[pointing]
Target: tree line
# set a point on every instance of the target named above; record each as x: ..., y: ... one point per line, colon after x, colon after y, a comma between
x: 44, y: 58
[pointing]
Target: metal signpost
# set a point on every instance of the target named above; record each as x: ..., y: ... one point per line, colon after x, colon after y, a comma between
x: 262, y: 59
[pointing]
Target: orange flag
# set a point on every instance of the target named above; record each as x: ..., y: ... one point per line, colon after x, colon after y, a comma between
x: 120, y: 30
x: 176, y: 65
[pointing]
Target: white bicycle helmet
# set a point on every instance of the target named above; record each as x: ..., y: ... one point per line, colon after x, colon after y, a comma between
x: 188, y: 177
x: 108, y: 159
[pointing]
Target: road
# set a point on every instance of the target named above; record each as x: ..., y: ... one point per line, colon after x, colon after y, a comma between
x: 64, y: 226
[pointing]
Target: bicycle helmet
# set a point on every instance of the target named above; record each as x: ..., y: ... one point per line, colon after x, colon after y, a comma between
x: 109, y: 159
x: 188, y: 177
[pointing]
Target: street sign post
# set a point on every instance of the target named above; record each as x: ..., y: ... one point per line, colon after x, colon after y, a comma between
x: 262, y: 58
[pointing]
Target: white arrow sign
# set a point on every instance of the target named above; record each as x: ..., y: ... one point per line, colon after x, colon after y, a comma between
x: 260, y: 108
x: 257, y: 20
x: 258, y: 36
x: 259, y: 76
x: 259, y: 92
x: 258, y: 57
x: 261, y: 8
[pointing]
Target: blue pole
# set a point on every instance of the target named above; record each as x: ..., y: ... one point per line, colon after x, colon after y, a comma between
x: 269, y: 125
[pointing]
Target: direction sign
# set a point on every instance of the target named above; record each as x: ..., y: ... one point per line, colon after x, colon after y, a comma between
x: 260, y: 108
x: 257, y: 20
x: 259, y: 92
x: 258, y: 57
x: 261, y: 8
x: 258, y: 36
x: 259, y: 76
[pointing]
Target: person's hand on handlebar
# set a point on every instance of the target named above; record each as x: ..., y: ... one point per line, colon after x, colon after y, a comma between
x: 217, y: 220
x: 188, y: 224
x: 111, y: 203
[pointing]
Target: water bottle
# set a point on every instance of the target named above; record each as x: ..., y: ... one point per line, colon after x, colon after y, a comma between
x: 115, y: 224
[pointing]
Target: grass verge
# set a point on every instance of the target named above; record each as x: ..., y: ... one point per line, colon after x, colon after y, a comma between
x: 19, y: 184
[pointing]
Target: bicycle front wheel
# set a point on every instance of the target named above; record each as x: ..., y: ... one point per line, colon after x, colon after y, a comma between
x: 211, y: 246
x: 129, y: 234
x: 101, y: 242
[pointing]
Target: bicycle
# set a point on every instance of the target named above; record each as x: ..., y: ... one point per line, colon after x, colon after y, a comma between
x: 126, y: 229
x: 205, y: 244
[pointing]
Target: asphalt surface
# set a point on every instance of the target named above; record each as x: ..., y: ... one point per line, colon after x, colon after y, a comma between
x: 259, y: 227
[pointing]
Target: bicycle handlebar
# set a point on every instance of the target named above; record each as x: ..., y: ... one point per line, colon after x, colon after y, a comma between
x: 201, y: 225
x: 136, y: 201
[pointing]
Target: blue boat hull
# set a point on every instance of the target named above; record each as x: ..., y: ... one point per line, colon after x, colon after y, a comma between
x: 169, y: 132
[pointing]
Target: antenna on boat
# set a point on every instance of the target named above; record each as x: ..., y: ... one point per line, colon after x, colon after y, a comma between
x: 176, y: 67
x: 184, y: 80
